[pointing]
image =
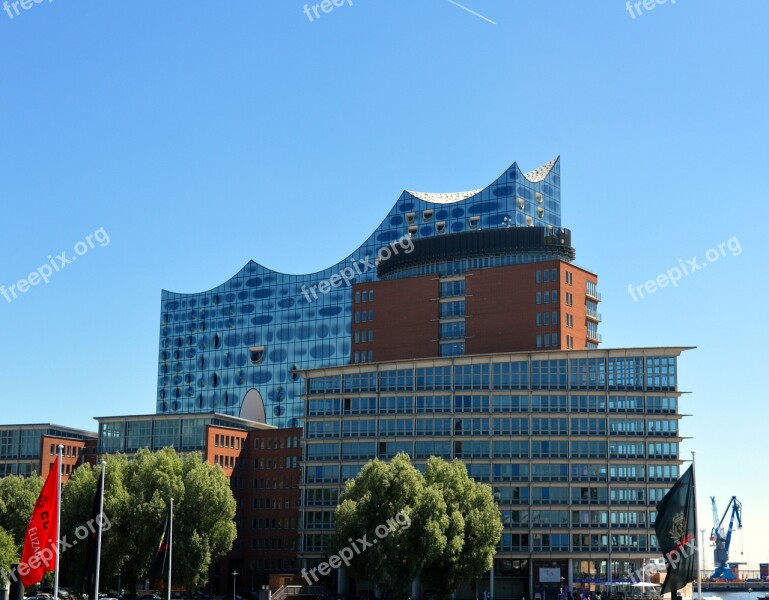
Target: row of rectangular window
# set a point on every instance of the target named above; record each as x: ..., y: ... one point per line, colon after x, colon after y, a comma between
x: 548, y: 542
x: 650, y: 372
x: 483, y: 403
x: 506, y: 471
x: 534, y: 518
x: 263, y: 503
x: 228, y: 441
x: 455, y: 308
x: 582, y: 495
x: 66, y: 468
x: 547, y: 297
x: 361, y: 337
x: 498, y: 426
x: 364, y: 296
x: 267, y: 544
x: 273, y: 565
x: 547, y: 275
x: 453, y: 349
x: 524, y: 495
x: 287, y: 462
x: 363, y: 316
x: 452, y: 330
x: 559, y: 542
x: 548, y: 340
x: 363, y: 356
x: 67, y: 451
x: 501, y: 449
x: 276, y: 442
x: 454, y: 288
x: 548, y: 318
x: 224, y: 461
x: 564, y: 518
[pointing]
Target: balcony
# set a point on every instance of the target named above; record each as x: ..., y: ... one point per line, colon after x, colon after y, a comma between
x: 593, y: 315
x: 594, y: 337
x: 593, y: 294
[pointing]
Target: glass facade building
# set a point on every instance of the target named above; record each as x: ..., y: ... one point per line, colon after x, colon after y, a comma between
x: 578, y: 446
x: 23, y: 451
x: 185, y: 433
x: 237, y: 349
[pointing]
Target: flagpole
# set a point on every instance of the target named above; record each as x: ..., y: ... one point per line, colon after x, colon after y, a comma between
x: 170, y: 550
x: 100, y: 523
x: 58, y: 525
x: 696, y: 528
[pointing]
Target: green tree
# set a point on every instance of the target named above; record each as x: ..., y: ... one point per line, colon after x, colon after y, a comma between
x: 8, y: 553
x: 455, y: 525
x: 474, y: 528
x: 17, y: 499
x: 137, y: 495
x: 379, y: 493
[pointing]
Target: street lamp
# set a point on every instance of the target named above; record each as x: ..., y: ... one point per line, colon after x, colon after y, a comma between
x: 234, y: 578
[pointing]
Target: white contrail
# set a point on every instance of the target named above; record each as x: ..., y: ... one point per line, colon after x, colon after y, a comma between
x: 472, y: 12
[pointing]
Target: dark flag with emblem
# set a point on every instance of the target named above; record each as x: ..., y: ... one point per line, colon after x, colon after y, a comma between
x: 676, y: 528
x: 159, y: 566
x: 92, y: 550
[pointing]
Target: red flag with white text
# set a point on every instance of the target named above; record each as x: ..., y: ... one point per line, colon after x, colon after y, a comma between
x: 42, y: 534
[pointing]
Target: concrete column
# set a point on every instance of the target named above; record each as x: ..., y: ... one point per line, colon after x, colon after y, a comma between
x: 570, y: 574
x: 341, y: 580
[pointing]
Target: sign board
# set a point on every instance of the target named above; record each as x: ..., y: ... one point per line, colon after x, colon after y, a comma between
x: 549, y: 575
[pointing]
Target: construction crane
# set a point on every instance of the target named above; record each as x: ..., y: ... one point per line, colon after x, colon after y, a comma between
x: 723, y: 541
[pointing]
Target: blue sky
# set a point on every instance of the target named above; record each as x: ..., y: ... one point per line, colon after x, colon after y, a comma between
x: 199, y: 135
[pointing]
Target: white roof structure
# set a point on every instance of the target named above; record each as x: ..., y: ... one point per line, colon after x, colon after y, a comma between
x: 534, y: 176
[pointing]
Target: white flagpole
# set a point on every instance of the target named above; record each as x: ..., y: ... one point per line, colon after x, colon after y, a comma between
x: 696, y: 527
x: 58, y: 525
x: 170, y: 550
x: 100, y: 523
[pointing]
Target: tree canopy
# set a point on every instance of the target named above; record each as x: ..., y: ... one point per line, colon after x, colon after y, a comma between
x: 454, y: 527
x: 136, y: 499
x: 8, y: 553
x: 17, y: 499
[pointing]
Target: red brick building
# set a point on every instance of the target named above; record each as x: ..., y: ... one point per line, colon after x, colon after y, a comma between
x: 523, y: 307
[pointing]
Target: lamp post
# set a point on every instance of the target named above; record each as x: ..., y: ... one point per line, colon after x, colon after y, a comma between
x: 234, y: 579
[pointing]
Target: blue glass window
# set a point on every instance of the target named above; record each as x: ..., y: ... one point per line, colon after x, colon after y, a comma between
x: 433, y: 404
x: 471, y: 377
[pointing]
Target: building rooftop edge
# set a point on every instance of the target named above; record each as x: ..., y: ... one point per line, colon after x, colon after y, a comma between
x: 254, y: 424
x: 51, y: 425
x: 367, y: 367
x: 538, y: 175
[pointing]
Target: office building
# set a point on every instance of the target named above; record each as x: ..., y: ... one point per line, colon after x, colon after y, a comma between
x: 579, y: 446
x: 29, y: 449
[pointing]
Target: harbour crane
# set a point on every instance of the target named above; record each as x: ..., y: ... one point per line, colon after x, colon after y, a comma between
x: 723, y: 541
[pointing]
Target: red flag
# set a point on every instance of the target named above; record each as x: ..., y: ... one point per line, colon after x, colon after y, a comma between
x: 42, y: 534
